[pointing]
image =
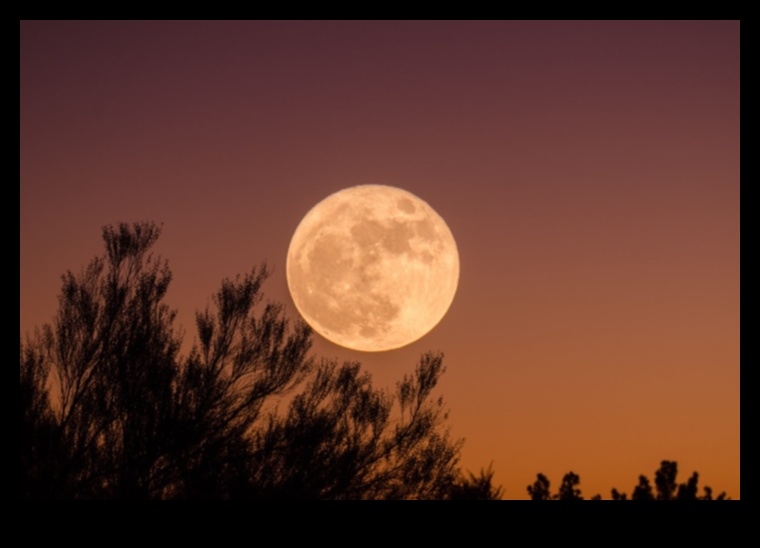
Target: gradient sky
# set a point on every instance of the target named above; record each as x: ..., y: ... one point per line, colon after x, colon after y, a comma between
x: 589, y: 172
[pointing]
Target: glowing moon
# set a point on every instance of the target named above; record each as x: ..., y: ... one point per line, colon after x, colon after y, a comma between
x: 372, y: 268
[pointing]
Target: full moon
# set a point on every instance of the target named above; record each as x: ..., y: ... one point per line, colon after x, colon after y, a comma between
x: 372, y: 268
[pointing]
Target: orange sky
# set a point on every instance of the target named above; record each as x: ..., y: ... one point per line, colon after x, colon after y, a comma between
x: 589, y: 172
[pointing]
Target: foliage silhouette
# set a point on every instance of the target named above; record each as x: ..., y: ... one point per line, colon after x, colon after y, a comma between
x: 541, y: 488
x: 568, y: 491
x: 472, y: 487
x: 667, y: 488
x: 110, y: 408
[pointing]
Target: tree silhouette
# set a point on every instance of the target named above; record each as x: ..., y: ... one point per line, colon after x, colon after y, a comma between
x: 111, y: 409
x: 472, y: 487
x: 37, y: 426
x: 113, y: 354
x: 667, y: 488
x: 665, y: 480
x: 642, y: 491
x: 540, y: 489
x: 568, y: 491
x: 338, y: 439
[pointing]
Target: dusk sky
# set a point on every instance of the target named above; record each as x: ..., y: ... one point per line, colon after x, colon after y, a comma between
x: 588, y: 171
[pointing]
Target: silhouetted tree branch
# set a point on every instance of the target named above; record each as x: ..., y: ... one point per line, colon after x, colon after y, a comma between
x: 339, y: 423
x: 110, y: 409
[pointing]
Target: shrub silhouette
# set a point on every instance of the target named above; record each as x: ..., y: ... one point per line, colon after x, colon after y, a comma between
x: 110, y: 408
x: 472, y: 487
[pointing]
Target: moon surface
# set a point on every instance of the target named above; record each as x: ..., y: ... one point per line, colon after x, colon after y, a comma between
x: 372, y: 268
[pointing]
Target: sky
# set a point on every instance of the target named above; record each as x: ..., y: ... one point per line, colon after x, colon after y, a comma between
x: 588, y: 170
